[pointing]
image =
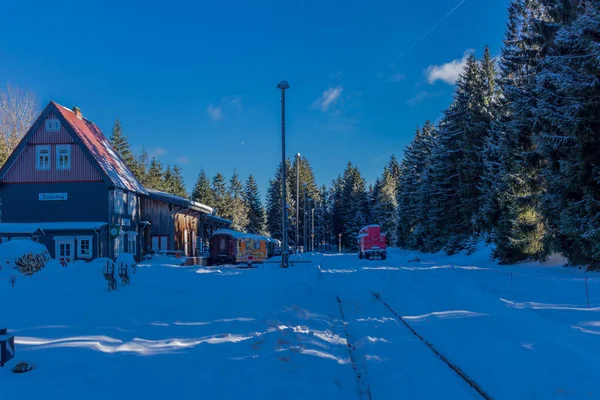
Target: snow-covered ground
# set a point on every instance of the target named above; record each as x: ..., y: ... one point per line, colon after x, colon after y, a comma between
x: 521, y: 332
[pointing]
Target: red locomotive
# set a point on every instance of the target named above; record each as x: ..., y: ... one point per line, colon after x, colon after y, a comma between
x: 371, y: 243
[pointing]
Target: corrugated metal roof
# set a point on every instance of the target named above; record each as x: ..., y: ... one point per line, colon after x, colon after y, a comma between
x: 179, y: 201
x: 102, y: 150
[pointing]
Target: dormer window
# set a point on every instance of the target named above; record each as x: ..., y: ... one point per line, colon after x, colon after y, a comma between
x: 63, y: 156
x: 52, y: 124
x: 42, y: 157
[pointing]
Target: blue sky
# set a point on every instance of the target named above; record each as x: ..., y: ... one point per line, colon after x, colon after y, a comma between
x: 195, y: 82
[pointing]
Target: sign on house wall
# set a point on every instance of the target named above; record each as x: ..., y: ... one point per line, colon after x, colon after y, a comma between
x: 52, y: 196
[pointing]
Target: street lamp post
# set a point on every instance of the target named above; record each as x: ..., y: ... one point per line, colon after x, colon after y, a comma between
x: 297, y: 200
x: 283, y: 85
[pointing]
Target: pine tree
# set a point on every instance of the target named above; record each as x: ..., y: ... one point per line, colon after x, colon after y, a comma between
x: 322, y: 218
x: 394, y: 167
x: 355, y: 206
x: 274, y: 213
x: 178, y: 185
x: 142, y: 165
x: 307, y: 184
x: 203, y: 192
x: 520, y: 231
x: 567, y: 125
x: 168, y: 180
x: 256, y: 212
x: 417, y: 157
x: 154, y: 177
x: 385, y: 209
x: 222, y: 201
x: 121, y: 145
x: 239, y: 211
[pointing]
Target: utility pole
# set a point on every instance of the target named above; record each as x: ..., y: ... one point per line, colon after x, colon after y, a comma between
x: 283, y: 85
x: 340, y: 241
x: 297, y: 200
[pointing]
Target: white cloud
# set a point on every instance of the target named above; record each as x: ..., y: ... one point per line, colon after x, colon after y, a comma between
x: 183, y: 160
x: 328, y: 98
x: 215, y: 112
x: 448, y: 72
x: 396, y: 77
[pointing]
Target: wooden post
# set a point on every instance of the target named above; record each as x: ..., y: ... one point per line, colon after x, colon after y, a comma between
x: 587, y: 295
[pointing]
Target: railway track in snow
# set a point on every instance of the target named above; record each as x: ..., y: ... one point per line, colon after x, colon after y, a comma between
x: 462, y: 374
x: 358, y: 360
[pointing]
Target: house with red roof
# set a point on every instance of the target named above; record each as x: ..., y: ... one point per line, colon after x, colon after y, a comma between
x: 66, y: 186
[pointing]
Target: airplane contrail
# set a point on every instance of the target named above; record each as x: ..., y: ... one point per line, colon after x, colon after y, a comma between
x: 428, y: 32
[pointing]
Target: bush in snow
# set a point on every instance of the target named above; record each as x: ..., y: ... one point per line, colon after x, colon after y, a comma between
x: 26, y: 256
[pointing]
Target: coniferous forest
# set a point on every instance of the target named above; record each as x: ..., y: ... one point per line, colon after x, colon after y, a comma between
x: 514, y: 161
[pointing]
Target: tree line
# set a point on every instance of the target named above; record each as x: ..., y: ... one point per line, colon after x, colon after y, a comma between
x: 513, y: 161
x: 515, y: 158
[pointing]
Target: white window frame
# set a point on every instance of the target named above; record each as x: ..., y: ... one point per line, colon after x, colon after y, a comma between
x: 38, y: 152
x: 80, y: 240
x: 119, y: 201
x: 59, y: 148
x: 131, y: 203
x: 132, y: 239
x: 118, y: 247
x: 52, y: 124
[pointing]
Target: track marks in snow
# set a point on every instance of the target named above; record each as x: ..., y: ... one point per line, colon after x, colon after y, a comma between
x: 544, y: 306
x: 139, y: 346
x: 452, y: 366
x: 358, y: 361
x: 445, y: 315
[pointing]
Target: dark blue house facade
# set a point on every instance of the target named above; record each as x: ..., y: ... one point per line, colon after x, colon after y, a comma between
x: 66, y: 187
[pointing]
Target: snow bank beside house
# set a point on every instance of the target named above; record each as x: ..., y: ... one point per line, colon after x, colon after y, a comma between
x: 22, y: 256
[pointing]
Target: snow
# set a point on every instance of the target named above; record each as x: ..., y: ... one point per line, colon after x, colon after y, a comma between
x: 10, y: 227
x: 204, y: 332
x: 14, y: 249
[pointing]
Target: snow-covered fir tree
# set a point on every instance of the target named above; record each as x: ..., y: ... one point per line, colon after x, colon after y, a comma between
x: 385, y: 209
x: 202, y: 191
x: 121, y: 144
x: 239, y: 210
x: 354, y: 205
x: 256, y: 212
x: 413, y: 166
x: 567, y: 122
x: 274, y: 214
x: 222, y: 201
x: 520, y: 230
x: 178, y: 184
x: 154, y: 177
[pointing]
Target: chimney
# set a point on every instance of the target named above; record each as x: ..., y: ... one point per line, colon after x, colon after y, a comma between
x: 77, y: 112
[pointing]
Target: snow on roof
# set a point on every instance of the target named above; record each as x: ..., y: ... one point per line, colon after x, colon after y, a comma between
x: 102, y: 150
x: 229, y: 232
x: 180, y: 201
x: 31, y: 227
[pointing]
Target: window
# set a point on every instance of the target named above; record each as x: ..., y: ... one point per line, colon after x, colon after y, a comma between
x: 63, y: 156
x: 159, y: 243
x: 120, y: 198
x: 52, y: 125
x: 131, y: 204
x: 119, y: 245
x: 132, y: 242
x: 42, y: 157
x: 84, y: 249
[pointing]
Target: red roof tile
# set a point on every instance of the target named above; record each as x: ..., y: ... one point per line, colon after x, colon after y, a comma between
x: 102, y: 150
